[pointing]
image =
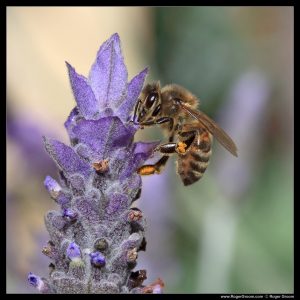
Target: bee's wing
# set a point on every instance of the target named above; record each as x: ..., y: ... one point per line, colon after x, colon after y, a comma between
x: 213, y: 128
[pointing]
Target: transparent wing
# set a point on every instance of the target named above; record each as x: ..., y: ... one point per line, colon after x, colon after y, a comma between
x: 223, y: 138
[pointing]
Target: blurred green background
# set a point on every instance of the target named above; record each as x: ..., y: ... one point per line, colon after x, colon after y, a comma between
x: 231, y: 232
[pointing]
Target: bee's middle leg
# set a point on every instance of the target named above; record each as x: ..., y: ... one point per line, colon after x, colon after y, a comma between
x: 180, y: 147
x: 166, y: 149
x: 171, y: 148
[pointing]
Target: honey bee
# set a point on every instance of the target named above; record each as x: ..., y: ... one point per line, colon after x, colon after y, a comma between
x: 190, y: 131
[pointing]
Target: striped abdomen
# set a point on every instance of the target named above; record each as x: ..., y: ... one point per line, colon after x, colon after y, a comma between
x: 192, y: 165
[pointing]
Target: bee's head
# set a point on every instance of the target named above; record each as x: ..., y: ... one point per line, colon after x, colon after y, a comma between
x: 149, y: 103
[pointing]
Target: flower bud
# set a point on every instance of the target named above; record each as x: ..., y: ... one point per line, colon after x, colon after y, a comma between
x: 52, y: 187
x: 97, y: 259
x: 73, y: 252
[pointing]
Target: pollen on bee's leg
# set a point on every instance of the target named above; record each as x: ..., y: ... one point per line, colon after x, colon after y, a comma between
x: 146, y: 170
x: 181, y: 147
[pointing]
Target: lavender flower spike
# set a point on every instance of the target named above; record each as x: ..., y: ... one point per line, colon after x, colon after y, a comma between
x: 95, y: 236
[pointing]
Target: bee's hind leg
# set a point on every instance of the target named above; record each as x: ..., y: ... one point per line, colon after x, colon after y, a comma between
x: 155, y: 168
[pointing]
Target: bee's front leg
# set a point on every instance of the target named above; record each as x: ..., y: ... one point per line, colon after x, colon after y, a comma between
x: 155, y: 122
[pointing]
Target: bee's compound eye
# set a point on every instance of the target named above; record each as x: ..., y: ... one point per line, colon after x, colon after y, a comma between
x: 152, y: 97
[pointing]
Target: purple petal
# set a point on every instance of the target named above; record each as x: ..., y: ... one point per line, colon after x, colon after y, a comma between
x: 142, y: 151
x: 40, y: 284
x: 108, y: 75
x: 145, y: 148
x: 73, y: 251
x: 134, y: 89
x: 34, y: 280
x: 97, y: 259
x: 66, y: 158
x: 103, y: 135
x: 72, y: 121
x: 84, y: 96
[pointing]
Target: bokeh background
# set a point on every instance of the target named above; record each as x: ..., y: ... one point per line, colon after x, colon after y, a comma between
x: 232, y: 232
